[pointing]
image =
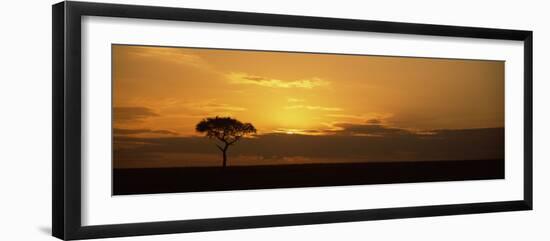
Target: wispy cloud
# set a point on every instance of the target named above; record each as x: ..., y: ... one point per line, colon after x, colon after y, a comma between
x: 292, y: 131
x: 313, y: 107
x: 373, y: 118
x: 213, y: 106
x: 172, y: 54
x: 372, y: 128
x: 200, y: 109
x: 125, y: 114
x: 294, y: 100
x: 247, y: 79
x: 119, y: 131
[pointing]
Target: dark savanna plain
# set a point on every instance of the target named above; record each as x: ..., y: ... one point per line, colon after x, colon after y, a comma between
x: 195, y: 119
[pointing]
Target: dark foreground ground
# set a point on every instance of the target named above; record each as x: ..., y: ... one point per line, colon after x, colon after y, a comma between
x: 193, y: 179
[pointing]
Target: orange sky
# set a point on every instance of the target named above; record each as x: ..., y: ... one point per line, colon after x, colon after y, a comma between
x: 168, y: 90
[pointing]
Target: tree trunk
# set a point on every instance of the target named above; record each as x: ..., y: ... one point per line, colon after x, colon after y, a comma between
x: 224, y: 156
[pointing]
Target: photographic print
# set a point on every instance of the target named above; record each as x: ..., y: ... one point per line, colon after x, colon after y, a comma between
x: 309, y: 120
x: 189, y: 119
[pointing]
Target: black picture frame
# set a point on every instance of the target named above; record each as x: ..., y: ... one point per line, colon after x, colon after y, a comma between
x: 66, y: 75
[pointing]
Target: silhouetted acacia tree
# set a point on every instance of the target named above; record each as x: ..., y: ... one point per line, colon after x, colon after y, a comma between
x: 226, y: 130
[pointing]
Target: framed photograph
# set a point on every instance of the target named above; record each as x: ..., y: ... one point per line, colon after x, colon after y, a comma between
x: 170, y: 120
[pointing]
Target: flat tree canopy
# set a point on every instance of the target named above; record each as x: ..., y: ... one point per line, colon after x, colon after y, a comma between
x: 226, y: 130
